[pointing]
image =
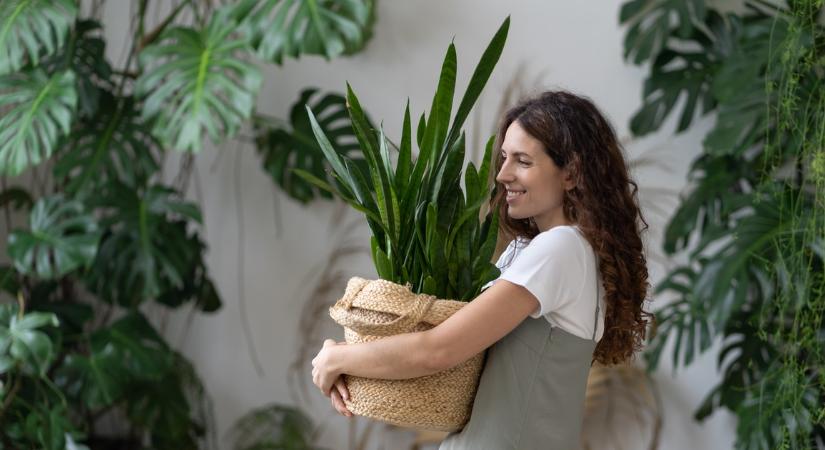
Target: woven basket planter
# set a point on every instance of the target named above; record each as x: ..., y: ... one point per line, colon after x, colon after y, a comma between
x: 374, y: 309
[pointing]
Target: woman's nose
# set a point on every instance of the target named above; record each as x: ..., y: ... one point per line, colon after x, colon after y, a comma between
x: 504, y: 174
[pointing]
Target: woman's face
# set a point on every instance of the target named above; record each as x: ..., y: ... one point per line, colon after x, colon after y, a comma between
x: 535, y: 184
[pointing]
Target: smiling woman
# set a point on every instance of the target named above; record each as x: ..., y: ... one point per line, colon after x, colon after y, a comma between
x: 572, y: 285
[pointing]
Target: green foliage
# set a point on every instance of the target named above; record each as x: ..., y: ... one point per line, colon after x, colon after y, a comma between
x: 21, y: 343
x: 112, y: 146
x: 284, y: 149
x: 426, y: 232
x: 62, y: 238
x: 146, y: 249
x: 196, y: 81
x: 106, y: 234
x: 40, y: 110
x: 30, y: 28
x: 751, y: 224
x: 290, y: 28
x: 272, y: 427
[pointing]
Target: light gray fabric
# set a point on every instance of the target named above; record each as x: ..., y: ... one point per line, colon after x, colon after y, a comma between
x: 531, y: 392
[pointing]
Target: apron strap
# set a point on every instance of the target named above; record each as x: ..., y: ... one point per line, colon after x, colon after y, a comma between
x: 596, y: 322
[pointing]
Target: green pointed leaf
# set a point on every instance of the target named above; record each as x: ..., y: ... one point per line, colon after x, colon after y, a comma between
x: 285, y: 148
x: 478, y: 80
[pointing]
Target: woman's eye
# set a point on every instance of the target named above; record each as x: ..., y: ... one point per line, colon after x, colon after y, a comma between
x: 524, y: 163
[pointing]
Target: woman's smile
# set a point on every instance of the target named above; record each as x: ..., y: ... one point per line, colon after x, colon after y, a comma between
x: 513, y: 195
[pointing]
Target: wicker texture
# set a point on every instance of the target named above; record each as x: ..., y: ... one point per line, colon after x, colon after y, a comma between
x: 372, y: 309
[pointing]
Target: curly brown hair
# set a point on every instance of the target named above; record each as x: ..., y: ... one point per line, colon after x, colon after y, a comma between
x: 604, y: 204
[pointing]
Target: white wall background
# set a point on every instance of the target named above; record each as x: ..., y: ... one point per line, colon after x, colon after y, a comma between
x: 270, y: 249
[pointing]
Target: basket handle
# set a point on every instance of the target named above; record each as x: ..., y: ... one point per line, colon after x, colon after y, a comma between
x: 406, y: 320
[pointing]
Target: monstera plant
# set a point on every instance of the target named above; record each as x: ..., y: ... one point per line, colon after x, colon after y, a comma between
x: 751, y: 223
x: 104, y: 235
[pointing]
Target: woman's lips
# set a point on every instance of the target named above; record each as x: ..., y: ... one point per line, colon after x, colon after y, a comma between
x: 514, y: 195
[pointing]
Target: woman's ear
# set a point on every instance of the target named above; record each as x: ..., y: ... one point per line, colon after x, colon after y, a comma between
x: 569, y: 177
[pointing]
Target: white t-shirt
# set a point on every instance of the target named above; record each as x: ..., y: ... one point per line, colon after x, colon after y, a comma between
x: 558, y: 267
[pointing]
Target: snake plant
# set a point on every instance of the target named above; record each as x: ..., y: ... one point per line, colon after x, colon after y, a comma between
x: 426, y: 230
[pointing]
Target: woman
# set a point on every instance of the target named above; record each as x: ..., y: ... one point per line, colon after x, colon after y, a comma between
x: 572, y: 285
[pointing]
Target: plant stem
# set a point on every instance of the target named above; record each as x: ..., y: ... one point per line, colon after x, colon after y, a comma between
x: 148, y: 39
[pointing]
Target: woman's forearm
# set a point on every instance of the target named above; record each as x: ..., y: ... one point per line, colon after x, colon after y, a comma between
x: 396, y: 357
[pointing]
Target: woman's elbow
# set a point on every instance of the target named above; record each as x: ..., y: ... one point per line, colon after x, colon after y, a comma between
x: 435, y: 356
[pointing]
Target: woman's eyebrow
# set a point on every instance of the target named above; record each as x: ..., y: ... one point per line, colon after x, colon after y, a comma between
x: 515, y: 153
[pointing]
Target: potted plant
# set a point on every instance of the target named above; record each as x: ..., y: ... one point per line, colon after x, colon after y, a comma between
x: 428, y: 243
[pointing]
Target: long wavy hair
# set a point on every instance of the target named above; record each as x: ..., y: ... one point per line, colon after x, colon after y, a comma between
x: 604, y: 204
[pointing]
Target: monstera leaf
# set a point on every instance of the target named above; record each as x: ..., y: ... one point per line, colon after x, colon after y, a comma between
x: 114, y: 145
x: 85, y: 55
x: 272, y: 426
x: 62, y: 238
x: 284, y: 149
x: 39, y: 110
x: 146, y: 248
x: 279, y: 28
x: 196, y: 81
x: 170, y: 409
x: 122, y: 354
x: 27, y: 27
x: 22, y: 342
x: 676, y: 72
x: 650, y: 24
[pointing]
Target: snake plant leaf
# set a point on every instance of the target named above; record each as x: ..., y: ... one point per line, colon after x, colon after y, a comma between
x: 197, y: 81
x: 290, y: 28
x: 479, y: 79
x: 402, y: 172
x: 39, y: 110
x: 62, y: 237
x: 272, y: 426
x: 650, y: 24
x: 85, y: 54
x: 30, y: 29
x: 286, y: 148
x: 147, y: 248
x: 22, y: 341
x: 416, y: 238
x: 442, y: 108
x: 114, y: 145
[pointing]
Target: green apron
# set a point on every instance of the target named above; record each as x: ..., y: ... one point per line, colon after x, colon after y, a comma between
x: 531, y: 392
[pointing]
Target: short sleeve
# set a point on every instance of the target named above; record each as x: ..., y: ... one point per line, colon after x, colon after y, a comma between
x: 505, y: 256
x: 551, y: 267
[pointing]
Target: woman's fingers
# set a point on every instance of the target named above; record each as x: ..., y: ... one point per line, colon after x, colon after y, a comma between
x: 342, y: 388
x: 338, y: 404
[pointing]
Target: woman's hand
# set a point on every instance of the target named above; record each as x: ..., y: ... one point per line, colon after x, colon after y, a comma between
x: 329, y: 379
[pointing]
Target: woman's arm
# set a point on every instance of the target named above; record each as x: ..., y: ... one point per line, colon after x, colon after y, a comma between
x: 473, y: 328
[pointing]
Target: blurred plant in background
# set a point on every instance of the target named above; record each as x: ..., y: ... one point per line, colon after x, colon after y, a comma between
x: 106, y: 236
x: 752, y: 223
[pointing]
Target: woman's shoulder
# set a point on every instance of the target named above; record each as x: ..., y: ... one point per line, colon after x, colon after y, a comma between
x: 561, y: 238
